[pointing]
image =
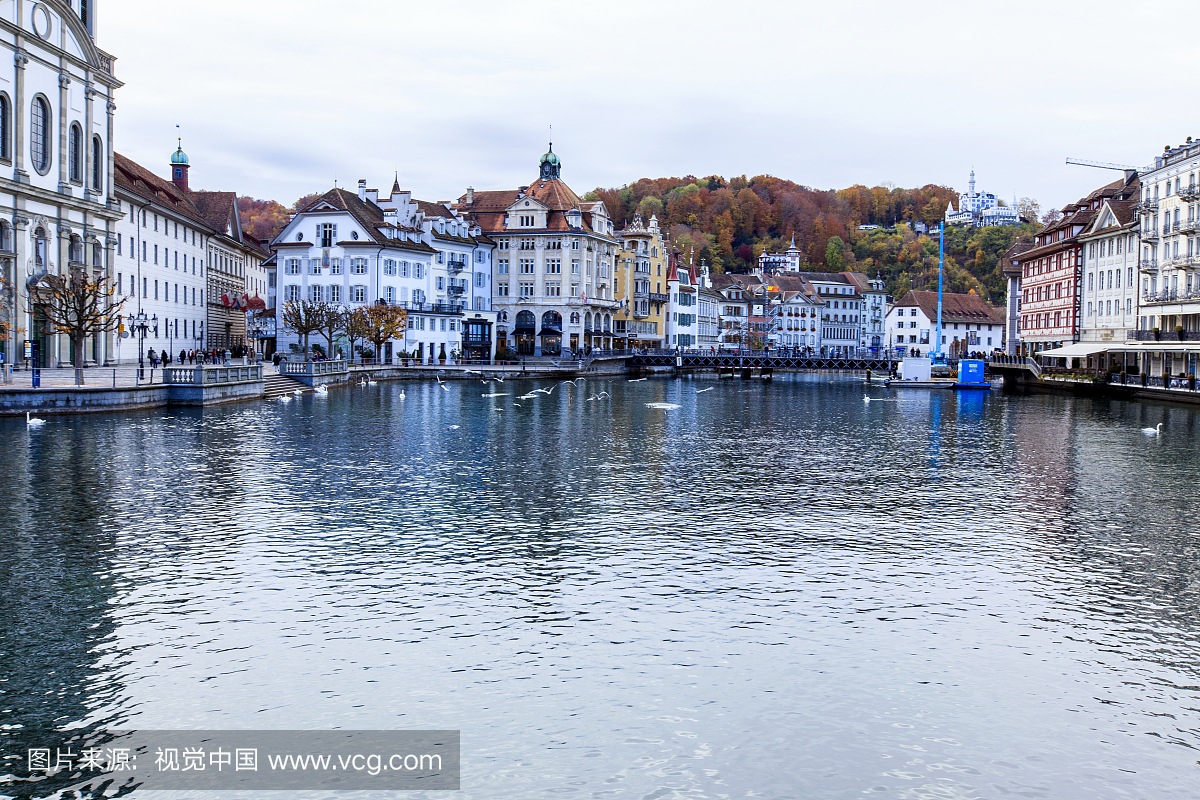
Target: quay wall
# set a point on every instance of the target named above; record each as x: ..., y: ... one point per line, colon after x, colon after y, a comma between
x: 81, y: 399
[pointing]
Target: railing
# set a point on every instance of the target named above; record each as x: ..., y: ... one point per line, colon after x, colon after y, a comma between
x: 1190, y: 192
x: 1189, y: 225
x: 456, y: 288
x: 659, y: 298
x: 1148, y: 264
x: 208, y: 375
x: 1146, y: 205
x: 313, y: 368
x: 1163, y: 336
x: 1030, y: 364
x: 456, y: 267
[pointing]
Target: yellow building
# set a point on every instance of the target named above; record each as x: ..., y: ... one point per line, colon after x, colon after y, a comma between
x: 641, y: 286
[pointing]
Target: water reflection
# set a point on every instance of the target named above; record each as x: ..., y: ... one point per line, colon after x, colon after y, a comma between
x: 774, y: 588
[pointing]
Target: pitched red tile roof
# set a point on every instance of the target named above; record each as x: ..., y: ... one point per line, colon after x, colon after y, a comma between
x: 955, y: 307
x: 136, y: 179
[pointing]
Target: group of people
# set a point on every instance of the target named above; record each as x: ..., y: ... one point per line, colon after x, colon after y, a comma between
x: 218, y: 355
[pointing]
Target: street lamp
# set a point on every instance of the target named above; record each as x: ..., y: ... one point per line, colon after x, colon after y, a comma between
x: 142, y: 325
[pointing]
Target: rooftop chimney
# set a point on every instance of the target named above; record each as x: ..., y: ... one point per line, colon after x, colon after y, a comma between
x: 362, y: 190
x: 470, y: 196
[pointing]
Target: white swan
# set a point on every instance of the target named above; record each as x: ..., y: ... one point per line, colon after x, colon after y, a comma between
x: 285, y: 398
x: 372, y: 382
x: 322, y: 389
x: 33, y: 422
x: 1155, y: 431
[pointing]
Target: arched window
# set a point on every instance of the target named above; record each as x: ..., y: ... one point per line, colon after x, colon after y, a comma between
x: 39, y: 135
x: 97, y: 164
x: 552, y: 319
x: 75, y: 154
x: 526, y: 320
x: 5, y: 116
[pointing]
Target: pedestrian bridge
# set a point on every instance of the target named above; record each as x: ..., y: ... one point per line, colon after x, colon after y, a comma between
x: 757, y: 361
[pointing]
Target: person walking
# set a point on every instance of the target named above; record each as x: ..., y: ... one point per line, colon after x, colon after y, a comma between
x: 153, y: 356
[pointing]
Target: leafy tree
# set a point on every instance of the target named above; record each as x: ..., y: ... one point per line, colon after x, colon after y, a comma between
x: 385, y: 323
x: 834, y: 252
x: 81, y: 305
x: 306, y: 201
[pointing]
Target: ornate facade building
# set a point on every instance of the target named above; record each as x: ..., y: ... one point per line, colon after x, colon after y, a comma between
x: 57, y: 209
x: 640, y: 287
x: 554, y: 263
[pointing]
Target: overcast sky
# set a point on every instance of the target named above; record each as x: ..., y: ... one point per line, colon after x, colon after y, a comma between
x: 278, y: 99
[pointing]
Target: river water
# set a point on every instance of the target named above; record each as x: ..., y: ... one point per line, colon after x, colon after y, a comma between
x: 761, y: 590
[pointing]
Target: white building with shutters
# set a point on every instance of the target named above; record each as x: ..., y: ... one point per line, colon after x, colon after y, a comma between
x: 355, y: 249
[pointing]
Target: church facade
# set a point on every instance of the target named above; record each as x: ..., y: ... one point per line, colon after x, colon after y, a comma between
x: 57, y: 206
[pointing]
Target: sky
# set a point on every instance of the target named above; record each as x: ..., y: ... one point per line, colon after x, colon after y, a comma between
x: 280, y: 99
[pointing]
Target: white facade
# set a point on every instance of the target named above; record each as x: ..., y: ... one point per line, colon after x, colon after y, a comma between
x: 1109, y: 297
x: 798, y: 323
x: 1169, y: 217
x: 56, y: 126
x: 160, y: 266
x: 682, y: 322
x: 842, y: 319
x: 353, y: 250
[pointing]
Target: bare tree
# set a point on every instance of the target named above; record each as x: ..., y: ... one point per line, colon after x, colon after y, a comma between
x: 79, y: 304
x: 305, y: 317
x: 384, y: 324
x: 333, y: 324
x: 357, y: 326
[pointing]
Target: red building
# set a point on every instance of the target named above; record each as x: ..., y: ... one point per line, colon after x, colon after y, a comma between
x: 1051, y: 272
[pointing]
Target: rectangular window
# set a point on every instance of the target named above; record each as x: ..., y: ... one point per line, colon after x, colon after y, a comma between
x: 360, y: 266
x: 502, y: 290
x: 314, y: 294
x: 389, y: 294
x: 502, y: 266
x: 335, y: 293
x: 360, y: 294
x: 441, y: 283
x: 291, y: 266
x: 526, y: 266
x: 327, y: 234
x: 526, y: 290
x: 335, y: 266
x: 553, y: 266
x: 553, y: 290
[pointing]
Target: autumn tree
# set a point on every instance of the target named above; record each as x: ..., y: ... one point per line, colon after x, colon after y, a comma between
x: 6, y: 308
x: 306, y: 201
x: 262, y: 219
x: 305, y: 317
x: 81, y: 305
x: 384, y: 323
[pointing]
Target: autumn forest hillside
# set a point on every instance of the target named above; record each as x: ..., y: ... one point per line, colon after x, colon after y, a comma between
x: 728, y: 223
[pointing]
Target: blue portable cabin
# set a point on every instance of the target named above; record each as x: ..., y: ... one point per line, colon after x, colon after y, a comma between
x: 971, y: 374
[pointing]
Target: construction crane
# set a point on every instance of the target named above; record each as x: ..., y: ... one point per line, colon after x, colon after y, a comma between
x: 1098, y: 164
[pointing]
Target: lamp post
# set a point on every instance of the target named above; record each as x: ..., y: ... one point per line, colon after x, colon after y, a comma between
x: 142, y: 325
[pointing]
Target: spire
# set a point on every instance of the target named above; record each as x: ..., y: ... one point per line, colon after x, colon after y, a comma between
x: 179, y: 167
x: 396, y: 184
x: 972, y: 183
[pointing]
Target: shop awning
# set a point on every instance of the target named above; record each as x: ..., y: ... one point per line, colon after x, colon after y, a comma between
x: 1077, y: 350
x: 550, y: 332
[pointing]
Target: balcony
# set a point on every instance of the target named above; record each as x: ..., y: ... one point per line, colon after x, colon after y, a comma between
x: 659, y: 298
x: 1189, y: 225
x: 1190, y: 192
x: 456, y: 267
x: 1163, y: 336
x: 1148, y: 265
x: 1146, y: 206
x: 456, y: 289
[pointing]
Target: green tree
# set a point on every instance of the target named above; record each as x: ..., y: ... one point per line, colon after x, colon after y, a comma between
x: 835, y: 252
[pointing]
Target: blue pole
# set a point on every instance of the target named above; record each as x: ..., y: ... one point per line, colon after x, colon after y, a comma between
x: 941, y: 260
